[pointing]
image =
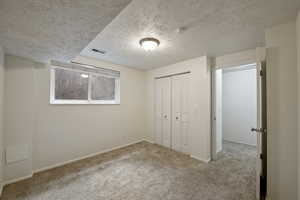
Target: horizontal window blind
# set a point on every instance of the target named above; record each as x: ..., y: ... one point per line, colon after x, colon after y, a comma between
x: 86, y: 68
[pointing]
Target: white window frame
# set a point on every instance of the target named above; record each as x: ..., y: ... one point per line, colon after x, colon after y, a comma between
x: 89, y: 100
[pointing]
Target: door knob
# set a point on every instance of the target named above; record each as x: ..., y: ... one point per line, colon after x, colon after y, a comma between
x: 165, y: 116
x: 259, y: 130
x: 176, y: 118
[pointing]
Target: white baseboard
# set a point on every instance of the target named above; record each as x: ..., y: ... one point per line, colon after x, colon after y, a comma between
x: 17, y: 179
x: 149, y: 141
x: 84, y: 157
x: 68, y: 162
x: 200, y: 159
x: 253, y: 145
x: 87, y: 156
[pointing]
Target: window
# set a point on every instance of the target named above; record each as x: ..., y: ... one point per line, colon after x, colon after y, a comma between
x: 78, y: 84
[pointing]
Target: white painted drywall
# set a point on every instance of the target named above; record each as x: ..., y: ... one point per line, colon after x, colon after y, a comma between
x: 60, y: 133
x: 200, y: 91
x: 219, y: 134
x: 236, y: 59
x: 298, y: 79
x: 19, y: 112
x: 282, y: 112
x: 239, y: 106
x: 66, y: 132
x: 1, y: 114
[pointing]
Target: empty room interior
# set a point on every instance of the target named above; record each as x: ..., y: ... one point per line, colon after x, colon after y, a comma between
x: 156, y: 99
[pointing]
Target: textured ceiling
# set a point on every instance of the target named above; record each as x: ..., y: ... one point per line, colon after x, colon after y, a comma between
x: 53, y: 29
x: 212, y: 27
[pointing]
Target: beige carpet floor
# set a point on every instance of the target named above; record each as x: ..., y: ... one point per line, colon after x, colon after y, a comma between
x: 145, y: 171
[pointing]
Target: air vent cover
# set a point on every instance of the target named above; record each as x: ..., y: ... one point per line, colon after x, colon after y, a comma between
x: 99, y: 51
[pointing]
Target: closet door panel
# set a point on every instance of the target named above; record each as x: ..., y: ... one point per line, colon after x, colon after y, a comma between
x: 163, y: 112
x: 158, y: 112
x: 185, y: 82
x: 166, y: 106
x: 180, y: 110
x: 176, y: 113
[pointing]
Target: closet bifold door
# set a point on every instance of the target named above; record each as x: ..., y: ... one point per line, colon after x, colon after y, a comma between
x: 163, y: 112
x: 180, y: 113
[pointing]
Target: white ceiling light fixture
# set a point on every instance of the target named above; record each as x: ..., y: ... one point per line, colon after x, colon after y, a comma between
x: 84, y: 75
x: 149, y: 44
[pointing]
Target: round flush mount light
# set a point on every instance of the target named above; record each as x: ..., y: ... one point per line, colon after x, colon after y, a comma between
x: 149, y: 44
x: 84, y: 75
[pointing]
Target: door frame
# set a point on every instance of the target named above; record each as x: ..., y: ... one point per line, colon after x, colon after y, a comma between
x: 261, y: 165
x: 261, y: 168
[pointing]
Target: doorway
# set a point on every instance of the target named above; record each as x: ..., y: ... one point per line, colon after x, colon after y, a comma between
x: 238, y: 106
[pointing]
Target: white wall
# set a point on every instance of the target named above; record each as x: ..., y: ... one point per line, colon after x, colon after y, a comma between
x: 19, y: 112
x: 1, y: 115
x: 199, y: 138
x: 55, y: 134
x: 219, y: 134
x: 298, y: 50
x: 59, y: 133
x: 282, y: 112
x: 239, y: 106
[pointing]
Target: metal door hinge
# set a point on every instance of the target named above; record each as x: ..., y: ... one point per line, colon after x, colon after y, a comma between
x: 261, y: 73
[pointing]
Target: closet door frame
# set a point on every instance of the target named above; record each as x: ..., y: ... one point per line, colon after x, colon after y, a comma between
x: 164, y: 115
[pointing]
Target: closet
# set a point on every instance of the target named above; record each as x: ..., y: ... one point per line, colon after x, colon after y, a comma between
x: 172, y: 112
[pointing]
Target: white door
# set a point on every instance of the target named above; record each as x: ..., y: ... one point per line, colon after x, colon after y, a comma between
x: 180, y: 112
x: 163, y: 112
x: 261, y: 130
x: 218, y: 116
x: 216, y: 96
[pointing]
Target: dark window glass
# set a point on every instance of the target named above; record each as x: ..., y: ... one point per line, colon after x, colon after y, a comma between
x: 71, y: 85
x: 102, y: 88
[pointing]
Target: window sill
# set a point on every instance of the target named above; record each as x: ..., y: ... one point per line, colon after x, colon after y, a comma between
x: 78, y: 102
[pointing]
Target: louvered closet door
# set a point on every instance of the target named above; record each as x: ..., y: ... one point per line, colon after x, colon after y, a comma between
x: 163, y: 112
x: 180, y: 113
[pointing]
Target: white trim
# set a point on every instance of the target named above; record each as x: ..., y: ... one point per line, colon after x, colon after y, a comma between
x: 82, y: 102
x: 149, y: 141
x: 17, y: 179
x: 236, y: 59
x: 213, y: 117
x: 83, y: 68
x: 200, y: 159
x: 78, y: 159
x: 250, y: 66
x: 252, y: 145
x: 54, y: 101
x: 89, y: 88
x: 52, y: 85
x: 84, y: 72
x: 85, y: 157
x: 69, y: 162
